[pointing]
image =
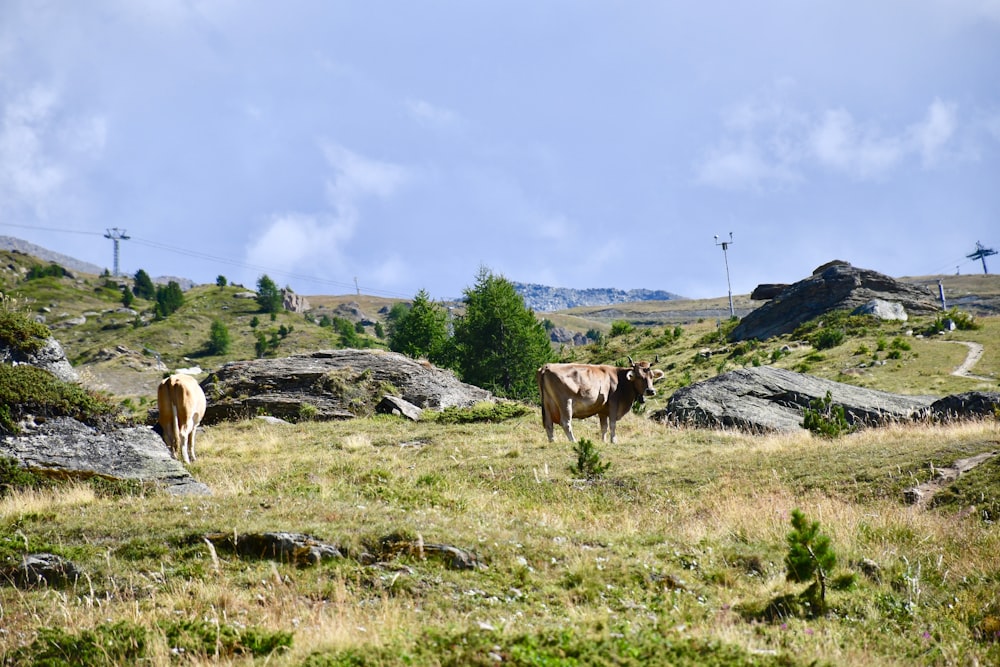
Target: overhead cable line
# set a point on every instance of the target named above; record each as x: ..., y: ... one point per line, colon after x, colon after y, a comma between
x: 188, y: 252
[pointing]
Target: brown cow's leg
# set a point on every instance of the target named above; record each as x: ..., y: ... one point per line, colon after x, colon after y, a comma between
x: 604, y: 428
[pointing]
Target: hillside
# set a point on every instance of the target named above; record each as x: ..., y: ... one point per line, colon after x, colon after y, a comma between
x: 126, y: 351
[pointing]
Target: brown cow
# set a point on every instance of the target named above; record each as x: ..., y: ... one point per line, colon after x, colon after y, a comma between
x: 181, y: 402
x: 579, y: 391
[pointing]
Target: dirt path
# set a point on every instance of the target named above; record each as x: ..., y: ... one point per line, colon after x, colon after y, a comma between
x: 921, y: 494
x: 975, y: 354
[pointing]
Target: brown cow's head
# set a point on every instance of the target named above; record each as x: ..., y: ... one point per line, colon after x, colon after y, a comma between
x: 641, y: 375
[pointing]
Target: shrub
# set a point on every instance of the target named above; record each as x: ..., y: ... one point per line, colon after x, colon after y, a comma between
x: 825, y: 338
x: 621, y: 328
x: 486, y: 412
x: 30, y: 390
x: 825, y: 419
x: 588, y: 460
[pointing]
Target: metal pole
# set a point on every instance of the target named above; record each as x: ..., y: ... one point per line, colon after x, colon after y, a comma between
x: 944, y: 305
x: 725, y: 256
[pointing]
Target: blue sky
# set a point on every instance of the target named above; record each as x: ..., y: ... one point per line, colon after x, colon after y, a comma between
x: 400, y: 146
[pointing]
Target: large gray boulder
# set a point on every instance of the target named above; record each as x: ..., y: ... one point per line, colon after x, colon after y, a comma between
x: 331, y: 384
x: 65, y: 448
x: 768, y: 399
x: 50, y: 357
x: 838, y: 286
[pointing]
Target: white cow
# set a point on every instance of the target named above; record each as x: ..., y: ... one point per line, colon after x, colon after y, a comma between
x: 181, y: 402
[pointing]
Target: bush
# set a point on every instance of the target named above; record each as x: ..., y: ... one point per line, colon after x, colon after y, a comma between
x: 53, y: 270
x: 486, y: 412
x: 588, y: 460
x: 825, y: 419
x: 824, y: 339
x: 30, y: 390
x: 621, y: 328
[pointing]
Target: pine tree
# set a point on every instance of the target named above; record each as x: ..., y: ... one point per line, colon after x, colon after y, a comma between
x: 268, y: 295
x: 218, y: 338
x: 144, y: 288
x: 809, y: 558
x: 421, y: 330
x: 168, y: 299
x: 499, y: 344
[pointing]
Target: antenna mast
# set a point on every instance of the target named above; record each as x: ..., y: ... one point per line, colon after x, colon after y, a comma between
x: 981, y: 254
x: 116, y: 235
x: 725, y: 246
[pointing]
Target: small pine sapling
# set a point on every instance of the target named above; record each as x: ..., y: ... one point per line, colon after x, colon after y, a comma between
x: 824, y: 418
x: 810, y: 558
x: 588, y: 460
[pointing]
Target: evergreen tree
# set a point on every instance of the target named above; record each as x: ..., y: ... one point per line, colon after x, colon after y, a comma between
x: 421, y: 330
x: 127, y: 298
x: 268, y: 295
x: 168, y: 299
x: 221, y: 281
x: 144, y: 288
x: 218, y: 338
x: 499, y: 344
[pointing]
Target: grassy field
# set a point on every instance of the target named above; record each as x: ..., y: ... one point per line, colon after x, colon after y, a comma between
x: 673, y: 556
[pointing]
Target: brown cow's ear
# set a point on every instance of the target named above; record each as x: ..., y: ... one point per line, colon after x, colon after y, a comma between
x: 657, y: 374
x: 629, y: 376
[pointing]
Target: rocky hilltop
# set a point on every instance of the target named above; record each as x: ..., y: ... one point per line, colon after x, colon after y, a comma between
x: 834, y: 286
x: 542, y: 298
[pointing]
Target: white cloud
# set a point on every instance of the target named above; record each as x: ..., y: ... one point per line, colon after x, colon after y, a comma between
x: 931, y: 134
x: 429, y: 114
x: 304, y: 242
x: 356, y: 177
x: 772, y: 146
x: 40, y: 149
x: 838, y: 142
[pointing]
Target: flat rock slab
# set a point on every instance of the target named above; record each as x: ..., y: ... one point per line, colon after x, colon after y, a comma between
x: 330, y: 385
x: 767, y: 399
x: 68, y: 449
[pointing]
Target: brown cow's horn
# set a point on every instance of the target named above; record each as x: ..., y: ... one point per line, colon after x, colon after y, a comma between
x: 630, y: 362
x: 656, y: 360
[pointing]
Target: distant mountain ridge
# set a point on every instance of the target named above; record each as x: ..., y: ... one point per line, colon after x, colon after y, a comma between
x: 542, y: 298
x: 44, y: 254
x: 73, y: 264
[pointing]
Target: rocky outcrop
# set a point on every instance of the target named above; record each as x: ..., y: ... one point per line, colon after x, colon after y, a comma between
x: 883, y: 310
x: 50, y: 357
x: 330, y: 384
x: 767, y: 399
x: 767, y: 291
x: 294, y: 303
x: 564, y: 336
x: 64, y: 448
x: 838, y: 286
x: 967, y: 405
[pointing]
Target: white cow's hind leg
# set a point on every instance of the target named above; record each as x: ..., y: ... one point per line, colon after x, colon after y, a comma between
x: 567, y: 420
x: 604, y: 428
x: 190, y: 441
